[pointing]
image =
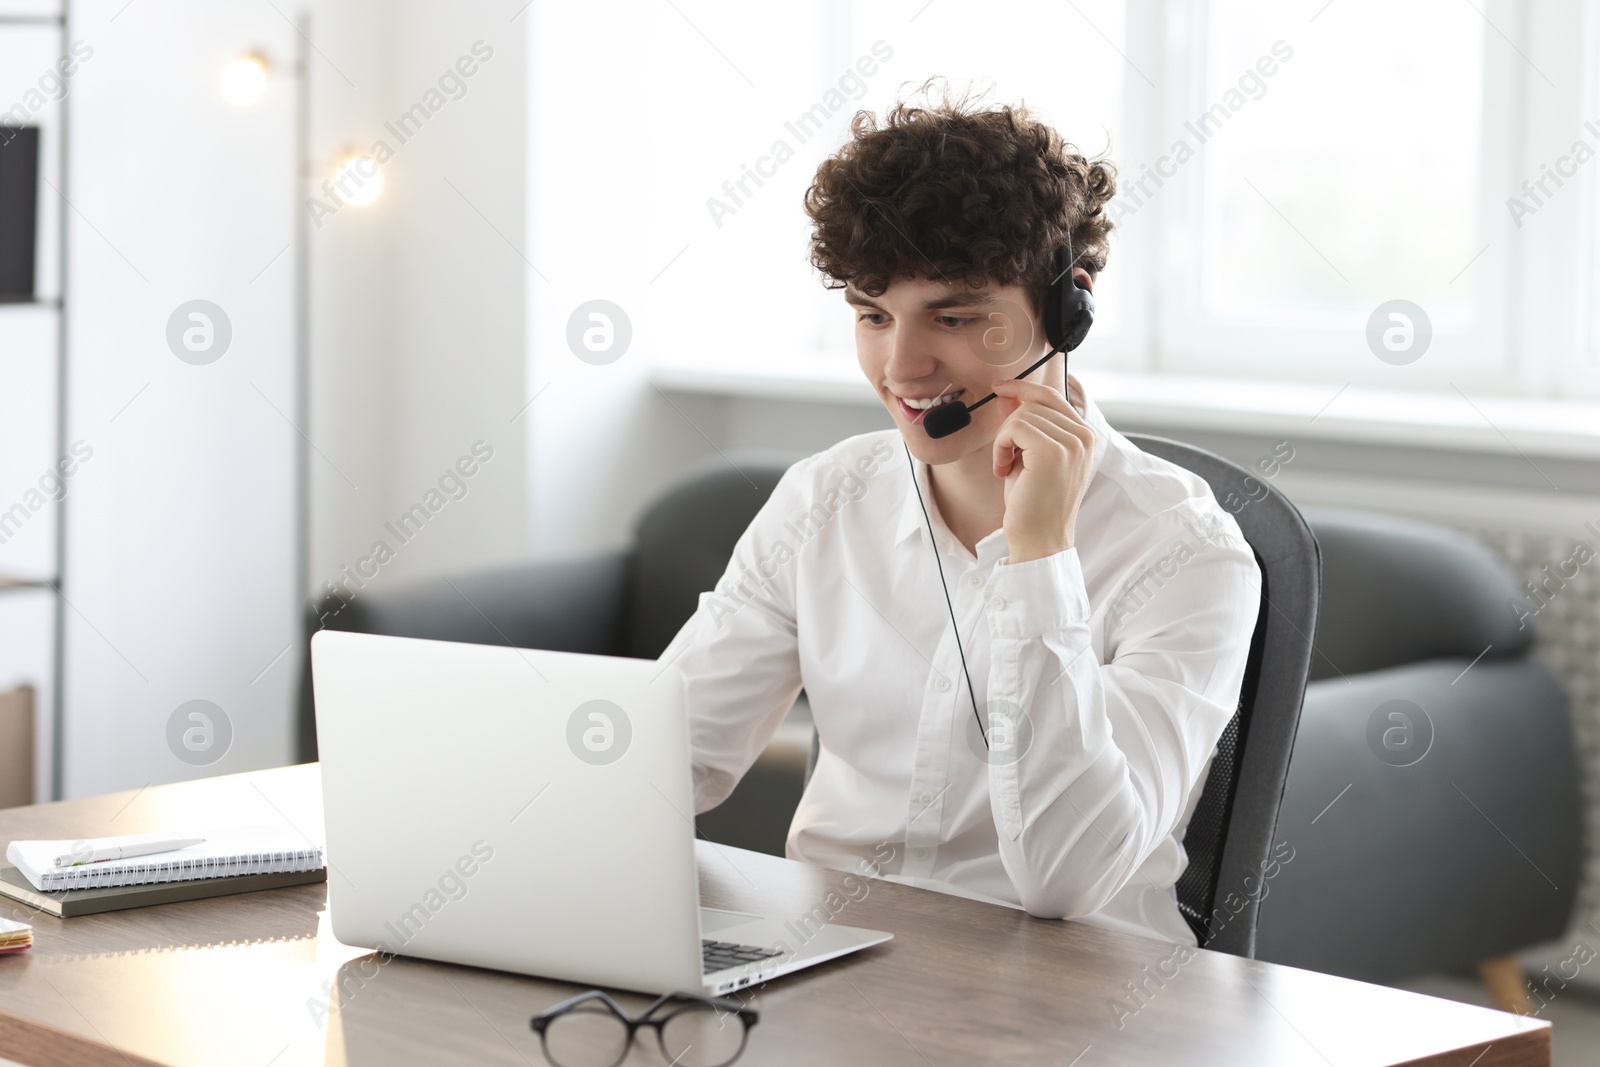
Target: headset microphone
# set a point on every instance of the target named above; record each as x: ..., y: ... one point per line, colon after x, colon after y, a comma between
x: 1068, y: 314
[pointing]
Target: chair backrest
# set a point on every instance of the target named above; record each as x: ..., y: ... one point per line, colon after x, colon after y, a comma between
x: 1229, y: 837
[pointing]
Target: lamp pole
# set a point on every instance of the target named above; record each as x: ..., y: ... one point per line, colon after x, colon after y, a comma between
x: 244, y: 83
x: 302, y: 314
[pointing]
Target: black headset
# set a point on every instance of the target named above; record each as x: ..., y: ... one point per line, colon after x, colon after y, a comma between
x: 1068, y: 314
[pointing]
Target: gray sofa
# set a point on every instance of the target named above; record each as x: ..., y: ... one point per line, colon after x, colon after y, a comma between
x: 1456, y: 839
x: 1406, y: 860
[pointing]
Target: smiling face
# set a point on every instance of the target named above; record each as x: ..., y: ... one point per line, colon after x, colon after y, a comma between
x: 925, y: 342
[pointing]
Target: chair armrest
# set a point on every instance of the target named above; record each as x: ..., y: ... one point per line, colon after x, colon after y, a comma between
x: 567, y: 605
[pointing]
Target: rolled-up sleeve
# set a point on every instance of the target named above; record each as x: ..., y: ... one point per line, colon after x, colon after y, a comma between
x: 1092, y: 764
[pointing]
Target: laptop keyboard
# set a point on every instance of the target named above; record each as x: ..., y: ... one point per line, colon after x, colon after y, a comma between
x: 720, y: 955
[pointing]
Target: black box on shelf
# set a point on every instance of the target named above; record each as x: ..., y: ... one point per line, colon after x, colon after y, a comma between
x: 19, y: 211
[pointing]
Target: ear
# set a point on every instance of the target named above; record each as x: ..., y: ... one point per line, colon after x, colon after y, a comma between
x: 1083, y: 278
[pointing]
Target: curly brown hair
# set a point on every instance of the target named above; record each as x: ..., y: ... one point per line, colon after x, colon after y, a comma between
x: 952, y: 191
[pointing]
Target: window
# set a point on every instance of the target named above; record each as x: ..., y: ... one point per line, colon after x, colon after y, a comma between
x: 1288, y: 172
x: 1340, y: 163
x: 1327, y: 194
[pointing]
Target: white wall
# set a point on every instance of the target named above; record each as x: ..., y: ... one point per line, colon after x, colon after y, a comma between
x: 179, y: 530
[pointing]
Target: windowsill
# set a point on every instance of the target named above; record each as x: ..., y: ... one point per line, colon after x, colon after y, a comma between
x: 1294, y: 410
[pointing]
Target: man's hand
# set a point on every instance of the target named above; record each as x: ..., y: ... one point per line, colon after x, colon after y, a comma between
x: 1042, y: 451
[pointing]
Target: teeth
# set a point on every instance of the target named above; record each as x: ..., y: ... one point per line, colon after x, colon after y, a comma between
x: 931, y: 402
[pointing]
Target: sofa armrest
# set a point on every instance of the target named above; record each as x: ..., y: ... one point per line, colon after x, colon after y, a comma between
x: 1472, y: 851
x: 566, y: 605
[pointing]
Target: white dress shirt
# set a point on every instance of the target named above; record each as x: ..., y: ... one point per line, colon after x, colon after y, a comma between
x: 1106, y: 674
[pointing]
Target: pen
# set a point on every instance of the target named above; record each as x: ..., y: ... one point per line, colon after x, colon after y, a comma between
x: 78, y: 857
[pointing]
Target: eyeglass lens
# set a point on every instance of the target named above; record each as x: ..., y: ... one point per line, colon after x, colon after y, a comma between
x: 588, y: 1035
x: 699, y: 1035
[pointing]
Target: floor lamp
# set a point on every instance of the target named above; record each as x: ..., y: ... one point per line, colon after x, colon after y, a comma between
x: 244, y: 83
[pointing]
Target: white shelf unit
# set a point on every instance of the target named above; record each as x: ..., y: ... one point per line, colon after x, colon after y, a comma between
x: 32, y: 372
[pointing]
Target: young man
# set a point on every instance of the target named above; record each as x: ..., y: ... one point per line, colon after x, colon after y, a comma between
x: 1105, y: 601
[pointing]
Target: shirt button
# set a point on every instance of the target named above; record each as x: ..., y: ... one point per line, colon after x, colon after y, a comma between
x: 997, y: 603
x: 942, y: 684
x: 925, y: 799
x: 974, y: 579
x: 920, y: 853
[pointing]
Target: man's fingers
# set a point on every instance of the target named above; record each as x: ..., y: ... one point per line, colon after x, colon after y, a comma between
x: 1053, y: 417
x: 1060, y: 424
x: 1044, y: 396
x: 1028, y: 432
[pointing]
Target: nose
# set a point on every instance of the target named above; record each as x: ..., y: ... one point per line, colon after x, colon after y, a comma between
x: 910, y: 357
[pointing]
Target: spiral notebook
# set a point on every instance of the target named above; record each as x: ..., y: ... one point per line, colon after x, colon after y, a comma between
x: 226, y: 852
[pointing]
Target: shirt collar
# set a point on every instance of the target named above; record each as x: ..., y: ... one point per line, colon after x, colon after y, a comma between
x: 911, y: 511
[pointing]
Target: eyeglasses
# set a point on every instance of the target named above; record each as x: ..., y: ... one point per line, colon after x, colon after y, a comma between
x: 592, y: 1030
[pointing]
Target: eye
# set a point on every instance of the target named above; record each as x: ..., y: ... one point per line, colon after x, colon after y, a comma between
x: 871, y: 317
x: 955, y: 322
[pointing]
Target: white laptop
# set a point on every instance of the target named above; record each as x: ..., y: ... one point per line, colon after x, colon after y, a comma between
x: 529, y: 811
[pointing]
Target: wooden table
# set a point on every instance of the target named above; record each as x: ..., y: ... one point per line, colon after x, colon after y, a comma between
x: 258, y: 979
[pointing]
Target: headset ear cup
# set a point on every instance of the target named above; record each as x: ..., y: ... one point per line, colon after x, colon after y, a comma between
x: 1071, y: 310
x: 1080, y: 316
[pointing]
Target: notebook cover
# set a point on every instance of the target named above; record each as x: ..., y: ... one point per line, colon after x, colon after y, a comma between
x: 69, y: 902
